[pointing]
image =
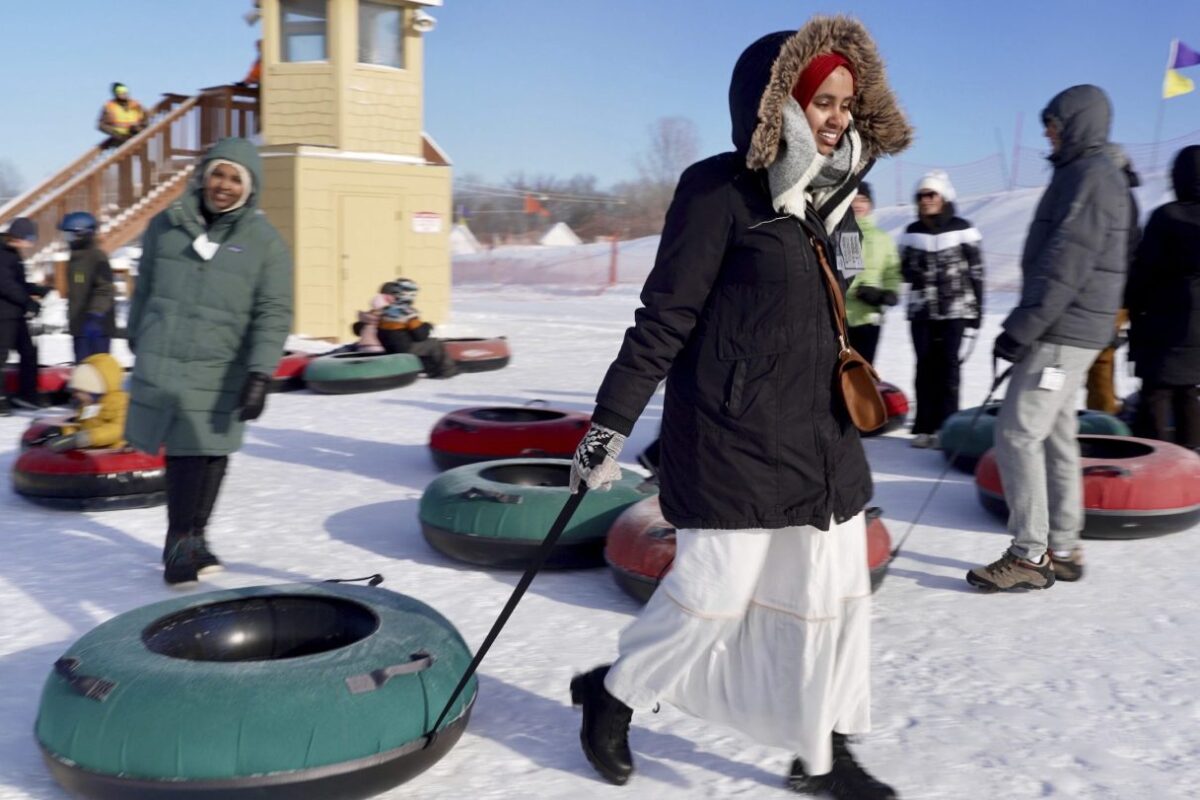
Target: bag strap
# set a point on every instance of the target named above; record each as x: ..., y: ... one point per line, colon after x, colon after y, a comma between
x: 835, y: 296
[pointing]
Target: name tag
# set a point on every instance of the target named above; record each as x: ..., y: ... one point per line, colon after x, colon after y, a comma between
x: 1052, y: 379
x: 850, y: 256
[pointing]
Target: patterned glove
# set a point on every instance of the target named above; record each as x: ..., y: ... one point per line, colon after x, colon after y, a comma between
x: 595, y: 461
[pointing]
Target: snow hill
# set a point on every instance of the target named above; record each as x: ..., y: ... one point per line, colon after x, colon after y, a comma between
x: 1087, y: 690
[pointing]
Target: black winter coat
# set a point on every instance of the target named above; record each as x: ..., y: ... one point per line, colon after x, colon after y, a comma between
x: 737, y: 318
x: 89, y: 289
x: 1163, y: 294
x: 14, y: 289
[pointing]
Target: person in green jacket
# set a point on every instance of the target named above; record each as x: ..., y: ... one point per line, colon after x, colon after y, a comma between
x: 874, y: 287
x: 90, y: 317
x: 211, y: 311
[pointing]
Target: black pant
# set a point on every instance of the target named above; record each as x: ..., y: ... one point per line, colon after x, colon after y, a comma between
x: 936, y: 343
x: 864, y: 339
x: 14, y: 335
x: 193, y: 483
x: 1160, y: 405
x: 434, y: 359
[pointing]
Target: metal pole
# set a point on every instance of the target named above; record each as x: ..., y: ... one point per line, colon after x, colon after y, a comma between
x: 1162, y: 104
x: 1000, y: 153
x: 1016, y: 159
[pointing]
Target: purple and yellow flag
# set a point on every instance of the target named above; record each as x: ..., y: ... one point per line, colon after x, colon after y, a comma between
x: 1175, y: 83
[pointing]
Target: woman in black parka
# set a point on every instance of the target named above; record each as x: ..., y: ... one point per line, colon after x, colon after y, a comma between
x: 763, y: 621
x: 1163, y: 297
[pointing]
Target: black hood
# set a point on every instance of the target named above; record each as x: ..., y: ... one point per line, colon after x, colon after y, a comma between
x: 1185, y: 175
x: 751, y: 75
x: 1084, y: 117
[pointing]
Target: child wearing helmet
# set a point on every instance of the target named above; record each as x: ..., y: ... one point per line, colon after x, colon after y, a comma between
x: 90, y: 296
x: 101, y: 406
x: 401, y: 330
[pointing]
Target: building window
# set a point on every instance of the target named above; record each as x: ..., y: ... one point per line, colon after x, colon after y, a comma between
x: 380, y: 34
x: 305, y: 30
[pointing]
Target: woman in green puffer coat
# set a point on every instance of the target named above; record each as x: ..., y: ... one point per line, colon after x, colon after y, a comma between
x: 209, y: 317
x: 876, y: 286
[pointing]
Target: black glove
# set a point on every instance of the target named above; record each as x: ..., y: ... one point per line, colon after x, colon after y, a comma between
x: 421, y: 332
x: 870, y: 295
x: 1009, y: 349
x: 595, y: 461
x: 32, y: 307
x: 973, y: 322
x: 890, y: 298
x: 254, y: 396
x: 37, y: 290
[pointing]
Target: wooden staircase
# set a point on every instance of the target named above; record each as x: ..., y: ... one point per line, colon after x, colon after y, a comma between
x: 124, y: 187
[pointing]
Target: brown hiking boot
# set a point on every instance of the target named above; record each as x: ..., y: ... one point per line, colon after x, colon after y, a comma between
x: 1010, y: 572
x: 1069, y: 568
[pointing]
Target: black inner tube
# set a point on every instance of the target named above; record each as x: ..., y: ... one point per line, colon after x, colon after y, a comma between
x: 552, y: 475
x: 516, y: 414
x: 1092, y: 447
x: 261, y: 628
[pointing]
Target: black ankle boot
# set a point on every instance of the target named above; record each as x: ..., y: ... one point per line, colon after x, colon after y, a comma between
x: 173, y: 539
x: 605, y: 730
x: 206, y: 560
x: 180, y: 566
x: 847, y: 780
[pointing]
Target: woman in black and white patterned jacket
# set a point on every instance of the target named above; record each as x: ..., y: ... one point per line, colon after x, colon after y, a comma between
x: 940, y: 260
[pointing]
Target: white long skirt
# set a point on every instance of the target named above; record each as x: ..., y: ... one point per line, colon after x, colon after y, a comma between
x: 767, y: 631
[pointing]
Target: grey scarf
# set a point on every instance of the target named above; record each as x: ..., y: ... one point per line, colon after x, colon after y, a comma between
x: 800, y: 170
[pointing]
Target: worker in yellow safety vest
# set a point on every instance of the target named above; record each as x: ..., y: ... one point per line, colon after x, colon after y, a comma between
x: 122, y: 117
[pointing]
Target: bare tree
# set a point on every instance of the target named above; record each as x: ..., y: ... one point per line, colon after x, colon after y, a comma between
x: 672, y: 147
x: 10, y: 181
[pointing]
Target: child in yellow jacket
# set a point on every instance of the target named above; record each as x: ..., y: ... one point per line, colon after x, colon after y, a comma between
x: 96, y: 391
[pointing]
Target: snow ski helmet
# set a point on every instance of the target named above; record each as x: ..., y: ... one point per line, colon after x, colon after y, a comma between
x: 403, y: 289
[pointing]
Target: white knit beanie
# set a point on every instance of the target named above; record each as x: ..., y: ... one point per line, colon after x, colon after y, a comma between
x: 86, y: 378
x: 937, y: 181
x: 247, y: 183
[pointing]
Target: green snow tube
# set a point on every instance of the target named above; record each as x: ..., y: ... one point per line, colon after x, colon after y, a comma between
x: 282, y: 692
x: 345, y: 373
x: 963, y: 439
x: 497, y: 513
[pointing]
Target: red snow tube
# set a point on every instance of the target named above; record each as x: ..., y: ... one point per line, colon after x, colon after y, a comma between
x: 470, y: 435
x: 50, y: 380
x: 478, y: 355
x: 1132, y: 488
x: 641, y: 548
x: 289, y: 375
x: 97, y: 479
x: 897, y: 408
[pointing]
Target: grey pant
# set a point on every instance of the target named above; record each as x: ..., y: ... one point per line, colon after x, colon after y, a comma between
x: 1038, y: 454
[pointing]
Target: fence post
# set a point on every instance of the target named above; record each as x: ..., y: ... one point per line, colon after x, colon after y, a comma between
x: 1016, y: 159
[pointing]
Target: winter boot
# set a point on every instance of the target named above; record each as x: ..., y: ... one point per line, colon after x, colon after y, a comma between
x: 181, y: 562
x: 605, y: 731
x: 1068, y: 568
x: 1011, y: 572
x: 173, y: 539
x: 847, y: 780
x: 206, y: 560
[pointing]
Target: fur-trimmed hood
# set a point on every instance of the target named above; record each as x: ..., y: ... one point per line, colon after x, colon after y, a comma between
x: 768, y: 69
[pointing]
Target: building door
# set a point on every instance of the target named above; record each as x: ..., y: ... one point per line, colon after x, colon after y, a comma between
x: 369, y: 249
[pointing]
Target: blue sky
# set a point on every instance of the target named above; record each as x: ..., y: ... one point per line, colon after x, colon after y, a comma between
x: 569, y: 86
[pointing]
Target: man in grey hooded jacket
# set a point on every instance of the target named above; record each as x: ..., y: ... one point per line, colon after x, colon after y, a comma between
x: 1073, y: 271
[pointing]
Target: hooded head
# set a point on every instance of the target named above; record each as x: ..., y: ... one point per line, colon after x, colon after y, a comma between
x: 767, y: 72
x: 1082, y: 118
x: 97, y: 375
x: 241, y: 157
x: 1185, y: 175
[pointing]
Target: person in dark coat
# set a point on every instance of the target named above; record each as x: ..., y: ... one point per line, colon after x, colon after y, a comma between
x: 1163, y: 297
x: 90, y: 299
x: 19, y: 300
x: 762, y: 471
x: 940, y: 258
x: 1073, y: 276
x: 209, y: 317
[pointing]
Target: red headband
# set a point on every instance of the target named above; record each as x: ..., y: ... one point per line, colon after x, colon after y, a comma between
x: 815, y: 74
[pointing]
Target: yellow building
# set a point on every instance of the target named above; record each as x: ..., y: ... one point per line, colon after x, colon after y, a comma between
x: 361, y: 194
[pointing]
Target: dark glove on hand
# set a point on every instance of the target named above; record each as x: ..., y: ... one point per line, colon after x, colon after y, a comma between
x: 1009, y: 349
x: 595, y: 461
x: 32, y: 307
x: 421, y: 332
x: 890, y: 298
x: 254, y: 396
x: 974, y: 322
x: 870, y: 295
x: 38, y: 290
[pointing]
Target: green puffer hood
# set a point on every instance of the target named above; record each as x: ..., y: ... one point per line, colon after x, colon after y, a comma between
x: 240, y: 151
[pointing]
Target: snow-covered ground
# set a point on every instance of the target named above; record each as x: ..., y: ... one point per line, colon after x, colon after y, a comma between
x: 1087, y: 690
